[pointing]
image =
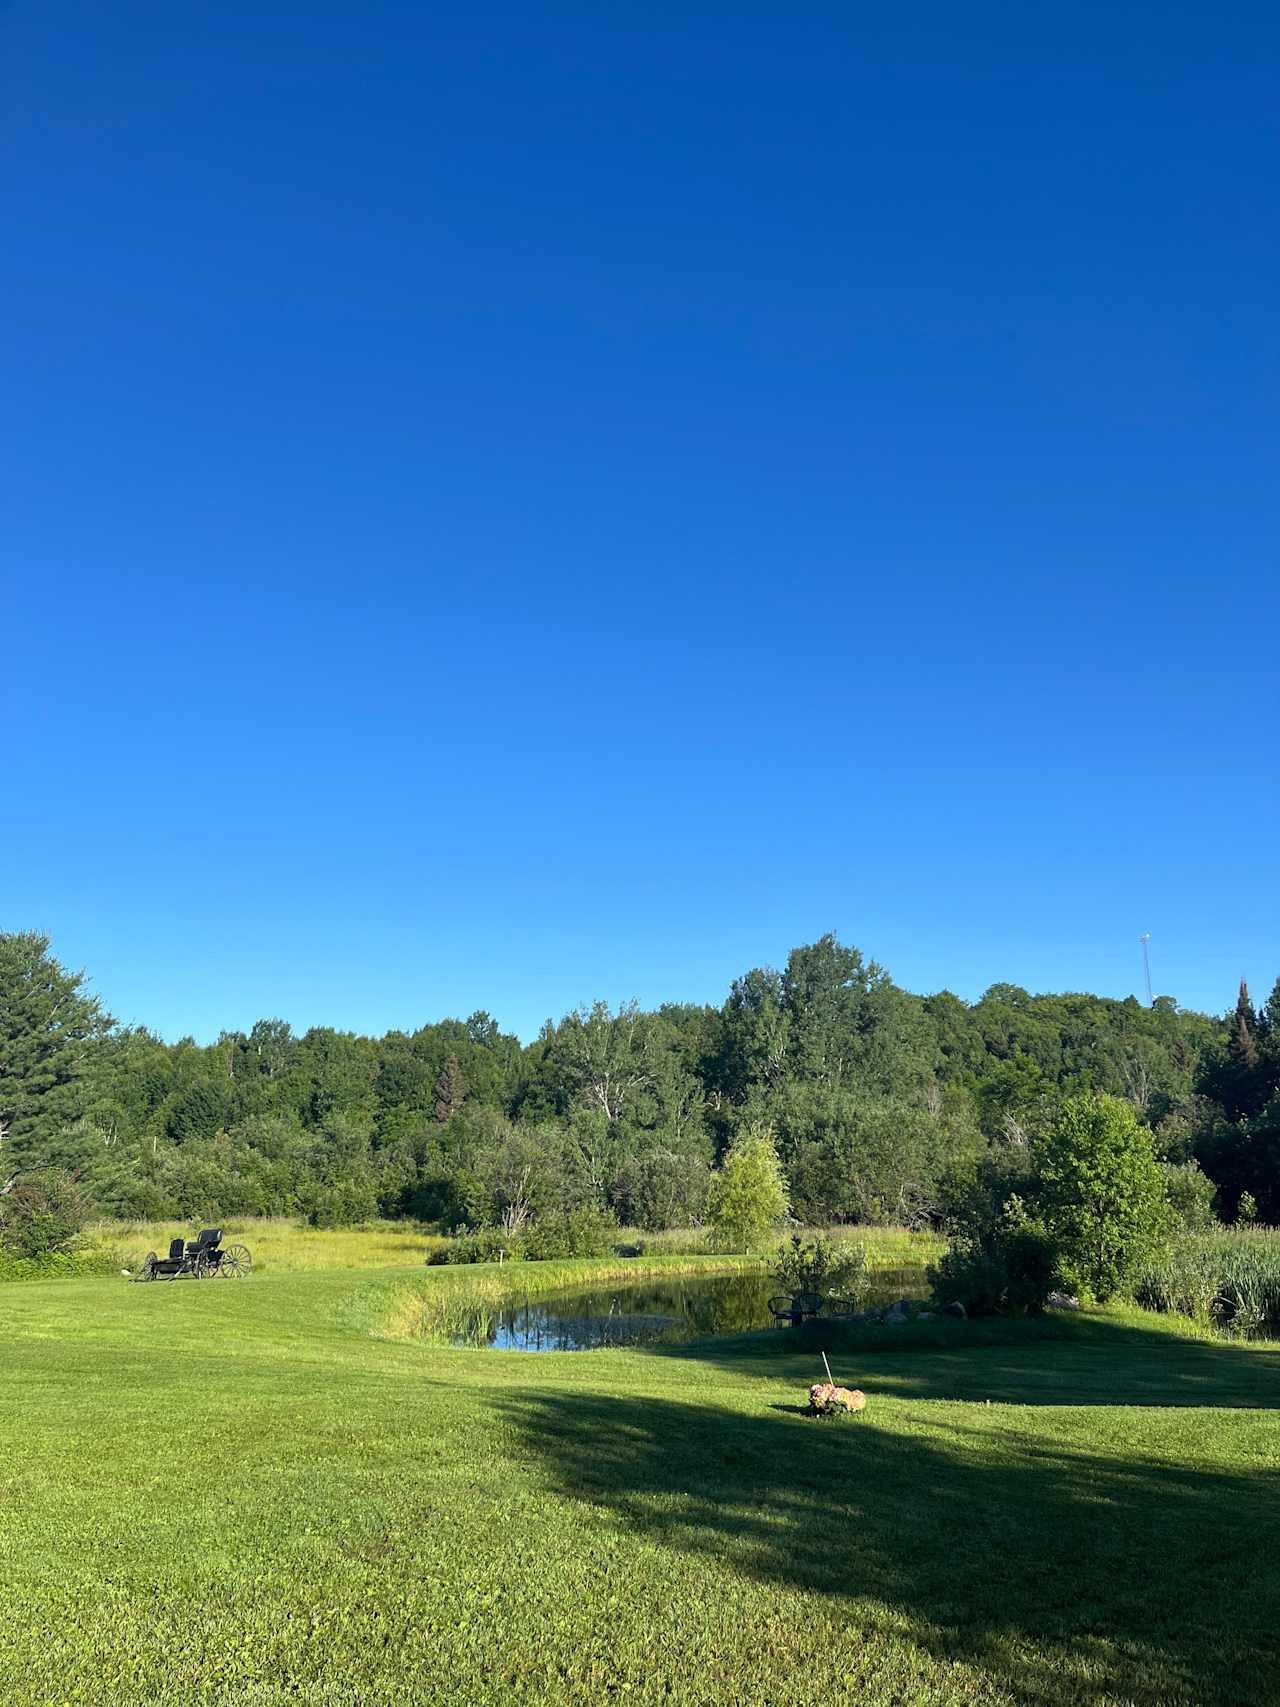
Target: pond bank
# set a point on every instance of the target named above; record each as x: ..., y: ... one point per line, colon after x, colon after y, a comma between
x: 436, y: 1304
x: 465, y: 1303
x: 663, y: 1309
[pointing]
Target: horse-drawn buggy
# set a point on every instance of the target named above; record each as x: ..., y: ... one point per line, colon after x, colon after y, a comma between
x: 202, y: 1258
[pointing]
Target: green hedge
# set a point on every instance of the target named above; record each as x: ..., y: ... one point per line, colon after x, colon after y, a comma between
x: 60, y: 1265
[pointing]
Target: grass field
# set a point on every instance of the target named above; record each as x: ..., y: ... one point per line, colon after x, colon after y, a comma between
x: 255, y: 1493
x: 281, y: 1245
x: 886, y: 1247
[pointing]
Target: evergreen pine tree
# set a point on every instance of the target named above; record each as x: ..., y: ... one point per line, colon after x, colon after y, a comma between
x: 1269, y: 1035
x: 1242, y: 1078
x: 47, y: 1023
x: 1235, y: 1074
x: 450, y: 1090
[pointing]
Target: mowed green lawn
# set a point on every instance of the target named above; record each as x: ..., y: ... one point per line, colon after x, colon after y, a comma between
x: 234, y: 1492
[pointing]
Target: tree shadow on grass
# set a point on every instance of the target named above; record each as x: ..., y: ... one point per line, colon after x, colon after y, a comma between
x: 1063, y: 1572
x: 1086, y: 1360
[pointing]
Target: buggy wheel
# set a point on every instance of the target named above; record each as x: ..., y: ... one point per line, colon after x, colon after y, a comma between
x: 202, y: 1268
x: 148, y: 1269
x: 236, y: 1262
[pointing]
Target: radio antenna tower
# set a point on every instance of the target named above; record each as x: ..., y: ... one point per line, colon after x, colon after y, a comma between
x: 1144, y: 939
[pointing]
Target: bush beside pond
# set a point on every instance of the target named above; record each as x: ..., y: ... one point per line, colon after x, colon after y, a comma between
x: 1085, y: 1210
x: 584, y: 1231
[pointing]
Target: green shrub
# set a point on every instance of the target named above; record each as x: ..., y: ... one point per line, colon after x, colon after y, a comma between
x: 350, y: 1203
x: 586, y: 1231
x: 661, y: 1188
x: 1190, y: 1193
x: 1032, y: 1268
x: 483, y: 1244
x: 822, y: 1267
x: 748, y: 1196
x: 972, y: 1274
x: 60, y: 1265
x: 1010, y: 1266
x: 42, y: 1214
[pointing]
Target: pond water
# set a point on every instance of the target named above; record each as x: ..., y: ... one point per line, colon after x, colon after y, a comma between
x: 651, y: 1312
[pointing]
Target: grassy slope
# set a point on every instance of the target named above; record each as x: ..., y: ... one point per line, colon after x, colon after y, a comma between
x: 233, y: 1492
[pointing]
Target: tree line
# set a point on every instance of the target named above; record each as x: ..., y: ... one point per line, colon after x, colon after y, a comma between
x: 885, y: 1106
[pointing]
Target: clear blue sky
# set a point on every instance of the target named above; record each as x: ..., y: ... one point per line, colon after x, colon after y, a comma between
x: 510, y: 505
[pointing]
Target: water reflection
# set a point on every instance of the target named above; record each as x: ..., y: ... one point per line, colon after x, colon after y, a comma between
x: 650, y: 1312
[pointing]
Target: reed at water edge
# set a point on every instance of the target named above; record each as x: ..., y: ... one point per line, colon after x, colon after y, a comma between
x: 442, y: 1303
x: 1229, y: 1280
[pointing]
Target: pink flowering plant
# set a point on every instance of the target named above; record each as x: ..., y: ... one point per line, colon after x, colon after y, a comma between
x: 828, y: 1400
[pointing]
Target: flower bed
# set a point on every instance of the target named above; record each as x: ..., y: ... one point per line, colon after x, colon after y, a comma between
x: 828, y: 1400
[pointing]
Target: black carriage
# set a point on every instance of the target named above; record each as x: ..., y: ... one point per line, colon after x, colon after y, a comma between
x: 203, y: 1258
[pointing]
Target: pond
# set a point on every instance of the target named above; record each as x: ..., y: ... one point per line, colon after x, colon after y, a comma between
x: 651, y: 1312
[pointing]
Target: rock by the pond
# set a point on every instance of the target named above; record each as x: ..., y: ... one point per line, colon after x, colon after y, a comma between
x: 898, y: 1313
x: 955, y: 1308
x: 1061, y: 1301
x: 925, y: 1316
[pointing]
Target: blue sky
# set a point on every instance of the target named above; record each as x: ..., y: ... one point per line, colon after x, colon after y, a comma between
x: 510, y: 506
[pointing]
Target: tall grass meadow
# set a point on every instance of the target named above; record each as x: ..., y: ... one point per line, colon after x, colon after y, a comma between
x: 281, y: 1245
x: 1229, y: 1280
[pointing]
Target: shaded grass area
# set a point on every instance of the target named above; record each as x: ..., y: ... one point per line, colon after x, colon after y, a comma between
x: 1121, y: 1358
x: 238, y: 1494
x: 1023, y: 1554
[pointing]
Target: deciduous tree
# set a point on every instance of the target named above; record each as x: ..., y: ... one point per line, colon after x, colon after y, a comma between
x: 748, y: 1198
x: 1103, y: 1196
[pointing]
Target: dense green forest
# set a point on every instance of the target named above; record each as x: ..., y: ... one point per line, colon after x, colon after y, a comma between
x: 885, y: 1104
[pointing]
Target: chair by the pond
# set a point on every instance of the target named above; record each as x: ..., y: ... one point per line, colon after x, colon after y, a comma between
x: 795, y: 1307
x: 843, y: 1307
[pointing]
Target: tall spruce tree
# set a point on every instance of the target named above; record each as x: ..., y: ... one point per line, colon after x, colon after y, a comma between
x: 450, y: 1090
x: 47, y: 1024
x: 1236, y: 1077
x: 1269, y: 1038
